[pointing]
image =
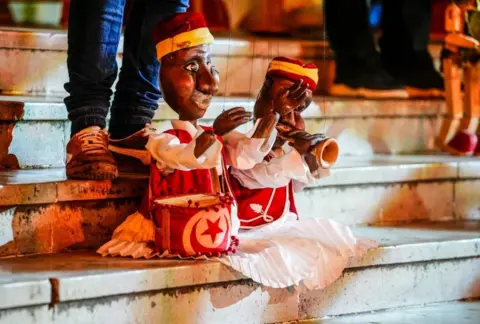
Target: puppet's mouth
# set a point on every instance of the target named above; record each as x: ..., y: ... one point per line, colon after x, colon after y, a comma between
x: 202, y: 100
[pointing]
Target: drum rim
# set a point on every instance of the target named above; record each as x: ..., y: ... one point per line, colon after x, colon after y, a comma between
x: 221, y: 199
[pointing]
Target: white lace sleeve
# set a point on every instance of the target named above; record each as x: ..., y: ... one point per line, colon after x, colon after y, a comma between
x: 244, y: 152
x: 169, y: 153
x: 278, y: 172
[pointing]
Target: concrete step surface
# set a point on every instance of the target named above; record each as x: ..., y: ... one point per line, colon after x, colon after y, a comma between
x: 461, y: 312
x: 43, y: 212
x: 415, y: 265
x: 362, y: 127
x: 34, y: 61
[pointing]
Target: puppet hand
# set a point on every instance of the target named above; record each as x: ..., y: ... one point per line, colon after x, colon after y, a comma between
x: 231, y: 119
x: 288, y: 100
x: 266, y: 125
x: 302, y: 141
x: 312, y: 163
x: 203, y: 143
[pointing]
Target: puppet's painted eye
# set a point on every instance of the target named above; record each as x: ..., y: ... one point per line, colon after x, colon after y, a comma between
x: 300, y: 108
x: 192, y: 67
x: 214, y: 70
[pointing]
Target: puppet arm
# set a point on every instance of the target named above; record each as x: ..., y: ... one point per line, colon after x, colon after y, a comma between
x: 278, y: 172
x: 170, y: 154
x: 244, y: 151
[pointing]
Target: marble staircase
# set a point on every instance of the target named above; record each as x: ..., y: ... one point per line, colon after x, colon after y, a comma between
x: 463, y: 312
x: 43, y: 212
x: 363, y: 128
x: 36, y: 61
x: 416, y: 264
x: 390, y: 184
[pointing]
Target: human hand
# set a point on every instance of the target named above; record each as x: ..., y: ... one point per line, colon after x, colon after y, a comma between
x: 231, y: 119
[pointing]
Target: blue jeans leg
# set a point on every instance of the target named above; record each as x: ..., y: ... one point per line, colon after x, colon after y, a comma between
x: 138, y: 91
x: 93, y: 35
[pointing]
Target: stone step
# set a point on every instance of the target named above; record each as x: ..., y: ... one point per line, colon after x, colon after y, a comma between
x: 415, y: 265
x: 362, y: 127
x: 462, y: 312
x: 33, y: 61
x: 42, y: 212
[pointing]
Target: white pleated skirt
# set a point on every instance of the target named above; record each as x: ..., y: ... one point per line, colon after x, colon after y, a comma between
x: 311, y: 253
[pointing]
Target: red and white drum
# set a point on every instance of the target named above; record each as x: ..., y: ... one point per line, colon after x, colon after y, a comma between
x: 194, y: 225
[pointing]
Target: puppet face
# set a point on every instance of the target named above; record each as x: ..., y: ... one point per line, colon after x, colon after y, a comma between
x: 189, y: 81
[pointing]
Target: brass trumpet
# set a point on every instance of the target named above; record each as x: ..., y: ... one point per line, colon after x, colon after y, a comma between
x: 326, y: 151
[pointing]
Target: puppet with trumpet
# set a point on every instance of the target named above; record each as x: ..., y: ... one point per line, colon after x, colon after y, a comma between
x: 265, y: 192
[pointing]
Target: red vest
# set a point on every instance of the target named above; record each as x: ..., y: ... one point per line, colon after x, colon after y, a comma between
x: 177, y: 183
x: 252, y: 203
x: 180, y: 182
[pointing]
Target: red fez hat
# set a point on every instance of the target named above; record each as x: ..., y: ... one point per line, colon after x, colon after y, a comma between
x: 294, y: 70
x: 183, y: 30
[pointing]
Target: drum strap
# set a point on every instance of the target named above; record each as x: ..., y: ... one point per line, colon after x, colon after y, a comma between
x: 226, y: 180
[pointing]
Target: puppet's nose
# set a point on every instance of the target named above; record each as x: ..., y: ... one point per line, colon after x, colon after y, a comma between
x: 289, y: 119
x: 207, y: 82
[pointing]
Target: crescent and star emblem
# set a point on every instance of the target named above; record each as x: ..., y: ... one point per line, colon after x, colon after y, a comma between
x: 213, y: 229
x: 207, y: 231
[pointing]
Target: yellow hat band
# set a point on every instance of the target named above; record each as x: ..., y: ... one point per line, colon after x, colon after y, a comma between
x: 196, y: 37
x: 295, y: 69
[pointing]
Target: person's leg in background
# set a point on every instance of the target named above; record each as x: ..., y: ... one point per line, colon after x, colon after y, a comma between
x: 138, y: 90
x: 359, y: 70
x: 93, y: 35
x: 404, y: 46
